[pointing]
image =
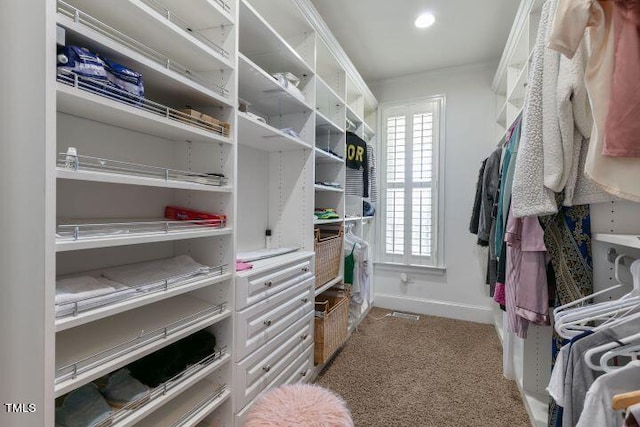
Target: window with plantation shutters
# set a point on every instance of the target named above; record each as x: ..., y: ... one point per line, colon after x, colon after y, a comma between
x: 409, y: 167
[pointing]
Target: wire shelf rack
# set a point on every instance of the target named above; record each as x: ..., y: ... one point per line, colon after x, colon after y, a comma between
x: 77, y: 162
x: 71, y: 371
x: 200, y: 406
x: 74, y: 232
x: 103, y: 88
x: 172, y: 17
x: 74, y: 308
x: 163, y: 389
x: 100, y: 27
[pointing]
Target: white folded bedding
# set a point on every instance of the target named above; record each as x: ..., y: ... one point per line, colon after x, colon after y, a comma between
x: 153, y: 271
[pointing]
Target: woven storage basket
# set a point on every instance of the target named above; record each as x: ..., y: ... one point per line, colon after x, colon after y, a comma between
x: 328, y: 249
x: 331, y: 324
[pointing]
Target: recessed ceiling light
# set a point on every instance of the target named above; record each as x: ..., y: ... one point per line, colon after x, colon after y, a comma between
x: 425, y: 20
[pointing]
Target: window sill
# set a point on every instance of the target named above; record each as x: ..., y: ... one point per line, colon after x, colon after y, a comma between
x: 405, y: 268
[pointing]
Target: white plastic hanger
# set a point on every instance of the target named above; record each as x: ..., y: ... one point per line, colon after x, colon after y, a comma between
x: 570, y: 322
x: 626, y: 346
x: 607, y: 348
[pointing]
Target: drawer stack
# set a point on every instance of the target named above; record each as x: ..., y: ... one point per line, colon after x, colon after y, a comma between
x: 273, y: 326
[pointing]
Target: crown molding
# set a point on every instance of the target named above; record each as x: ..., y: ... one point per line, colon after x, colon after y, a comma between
x: 323, y: 31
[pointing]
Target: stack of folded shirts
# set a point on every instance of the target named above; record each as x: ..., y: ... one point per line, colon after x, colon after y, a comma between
x: 326, y: 213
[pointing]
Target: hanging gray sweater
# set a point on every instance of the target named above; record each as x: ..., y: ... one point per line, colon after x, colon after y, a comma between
x: 490, y: 182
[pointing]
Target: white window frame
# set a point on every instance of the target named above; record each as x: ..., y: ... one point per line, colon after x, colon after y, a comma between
x: 436, y: 261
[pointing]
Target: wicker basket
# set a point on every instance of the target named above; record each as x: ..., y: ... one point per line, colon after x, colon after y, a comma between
x: 328, y: 247
x: 331, y: 324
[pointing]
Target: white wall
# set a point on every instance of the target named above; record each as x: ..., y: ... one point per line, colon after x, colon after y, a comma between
x: 469, y: 138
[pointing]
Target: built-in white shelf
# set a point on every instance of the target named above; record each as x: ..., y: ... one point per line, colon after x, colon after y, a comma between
x: 502, y: 116
x: 202, y: 14
x: 364, y: 219
x: 262, y: 136
x: 81, y: 103
x: 325, y: 122
x: 261, y: 42
x: 323, y: 88
x: 326, y: 157
x: 516, y: 97
x: 327, y: 221
x: 189, y: 408
x: 628, y: 240
x: 166, y: 31
x: 330, y: 284
x: 166, y: 392
x: 177, y: 82
x: 116, y: 178
x: 353, y: 117
x: 368, y: 132
x: 95, y: 349
x: 137, y: 300
x: 264, y: 93
x: 320, y: 187
x: 115, y: 238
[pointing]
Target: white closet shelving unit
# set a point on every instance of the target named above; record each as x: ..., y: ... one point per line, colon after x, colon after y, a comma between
x: 531, y: 357
x: 104, y: 207
x: 330, y: 133
x: 135, y: 156
x: 273, y: 340
x: 614, y: 225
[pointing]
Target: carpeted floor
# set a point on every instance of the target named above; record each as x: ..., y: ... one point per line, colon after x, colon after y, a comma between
x: 434, y: 372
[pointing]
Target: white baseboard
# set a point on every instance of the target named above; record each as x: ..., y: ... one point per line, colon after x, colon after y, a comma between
x: 451, y: 310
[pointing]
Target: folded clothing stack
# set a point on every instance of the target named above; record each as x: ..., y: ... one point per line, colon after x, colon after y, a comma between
x: 326, y: 213
x: 101, y: 75
x: 130, y: 387
x: 183, y: 214
x: 167, y: 363
x: 83, y: 292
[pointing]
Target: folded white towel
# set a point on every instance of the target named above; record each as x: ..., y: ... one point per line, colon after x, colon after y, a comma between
x: 154, y: 271
x: 76, y: 288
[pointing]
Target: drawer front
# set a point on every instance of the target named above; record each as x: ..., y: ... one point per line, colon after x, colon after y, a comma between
x: 303, y: 371
x: 255, y: 372
x: 255, y: 288
x: 296, y: 372
x: 263, y: 321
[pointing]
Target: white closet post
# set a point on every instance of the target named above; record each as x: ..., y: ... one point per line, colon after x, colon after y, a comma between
x: 27, y: 260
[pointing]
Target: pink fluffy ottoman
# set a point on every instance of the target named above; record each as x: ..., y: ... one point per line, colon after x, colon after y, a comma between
x: 299, y: 405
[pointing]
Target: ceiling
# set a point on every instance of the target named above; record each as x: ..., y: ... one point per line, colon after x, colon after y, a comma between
x: 382, y: 42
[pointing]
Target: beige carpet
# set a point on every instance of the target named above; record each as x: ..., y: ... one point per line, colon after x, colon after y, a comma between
x: 436, y: 372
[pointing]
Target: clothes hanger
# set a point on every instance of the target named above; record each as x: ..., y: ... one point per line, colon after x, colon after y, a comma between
x: 624, y: 400
x: 606, y: 348
x: 569, y: 322
x: 624, y: 346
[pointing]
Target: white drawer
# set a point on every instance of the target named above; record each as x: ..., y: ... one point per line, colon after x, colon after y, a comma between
x: 255, y: 372
x: 263, y: 321
x: 256, y: 287
x: 296, y: 372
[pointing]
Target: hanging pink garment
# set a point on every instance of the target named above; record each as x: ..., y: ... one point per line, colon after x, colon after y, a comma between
x: 622, y: 132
